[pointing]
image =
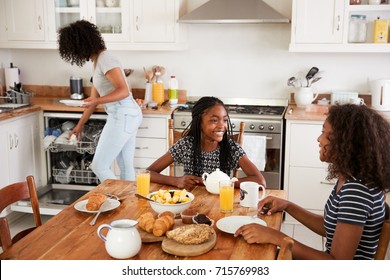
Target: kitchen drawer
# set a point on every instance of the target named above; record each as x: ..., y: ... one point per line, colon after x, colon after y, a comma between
x: 308, y: 187
x: 150, y: 148
x: 153, y: 128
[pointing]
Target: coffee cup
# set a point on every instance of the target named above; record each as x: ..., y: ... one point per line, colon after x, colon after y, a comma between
x: 356, y: 101
x: 249, y: 194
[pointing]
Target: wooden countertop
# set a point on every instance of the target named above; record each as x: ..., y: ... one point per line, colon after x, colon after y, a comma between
x: 68, y: 235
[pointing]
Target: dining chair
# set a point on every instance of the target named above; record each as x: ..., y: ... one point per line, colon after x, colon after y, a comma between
x: 174, y: 135
x: 11, y: 194
x: 285, y: 251
x: 384, y: 240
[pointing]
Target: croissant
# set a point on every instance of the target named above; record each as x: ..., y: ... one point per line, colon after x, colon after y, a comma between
x: 146, y: 222
x: 95, y: 200
x: 162, y: 225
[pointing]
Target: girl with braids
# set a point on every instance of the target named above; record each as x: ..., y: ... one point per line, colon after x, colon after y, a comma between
x: 355, y: 141
x: 78, y: 43
x: 206, y: 146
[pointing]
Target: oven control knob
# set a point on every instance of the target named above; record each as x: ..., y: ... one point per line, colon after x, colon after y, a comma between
x: 183, y: 123
x: 251, y: 127
x: 271, y: 127
x: 261, y: 127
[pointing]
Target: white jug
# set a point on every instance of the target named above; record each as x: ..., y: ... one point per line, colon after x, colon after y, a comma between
x: 122, y: 240
x: 304, y: 96
x: 380, y: 94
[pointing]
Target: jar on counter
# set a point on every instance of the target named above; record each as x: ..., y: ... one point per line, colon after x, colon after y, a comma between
x: 357, y: 29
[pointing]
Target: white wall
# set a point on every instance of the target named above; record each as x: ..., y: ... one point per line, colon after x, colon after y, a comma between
x: 222, y: 60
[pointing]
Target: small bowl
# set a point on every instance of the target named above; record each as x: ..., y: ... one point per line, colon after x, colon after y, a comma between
x: 194, y: 220
x: 175, y: 208
x: 187, y: 215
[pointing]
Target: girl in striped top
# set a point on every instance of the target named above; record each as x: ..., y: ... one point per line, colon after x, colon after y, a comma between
x: 355, y: 141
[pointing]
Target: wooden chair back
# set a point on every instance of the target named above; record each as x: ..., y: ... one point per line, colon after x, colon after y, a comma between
x: 174, y: 135
x: 383, y: 241
x: 11, y: 194
x: 285, y: 252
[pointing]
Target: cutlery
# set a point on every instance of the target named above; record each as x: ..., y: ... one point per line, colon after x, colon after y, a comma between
x: 143, y: 197
x: 98, y: 213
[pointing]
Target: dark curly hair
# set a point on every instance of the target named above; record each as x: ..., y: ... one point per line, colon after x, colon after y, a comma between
x: 359, y: 145
x: 193, y: 129
x: 78, y: 41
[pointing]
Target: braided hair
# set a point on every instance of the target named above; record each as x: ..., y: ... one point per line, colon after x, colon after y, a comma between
x: 194, y: 130
x: 78, y: 41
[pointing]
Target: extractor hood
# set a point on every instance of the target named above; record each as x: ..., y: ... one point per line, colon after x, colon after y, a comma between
x: 234, y: 11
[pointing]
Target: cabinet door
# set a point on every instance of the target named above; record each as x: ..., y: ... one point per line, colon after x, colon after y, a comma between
x: 318, y: 21
x: 25, y: 20
x: 154, y: 21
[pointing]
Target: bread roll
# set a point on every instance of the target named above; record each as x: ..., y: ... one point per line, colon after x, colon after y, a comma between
x: 95, y: 200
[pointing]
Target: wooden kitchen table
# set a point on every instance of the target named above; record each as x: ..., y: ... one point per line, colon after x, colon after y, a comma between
x: 68, y: 235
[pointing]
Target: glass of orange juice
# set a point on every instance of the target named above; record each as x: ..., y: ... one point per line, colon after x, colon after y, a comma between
x: 143, y: 182
x: 226, y: 196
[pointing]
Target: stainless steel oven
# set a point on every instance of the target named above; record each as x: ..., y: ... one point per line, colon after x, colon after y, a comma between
x: 262, y: 117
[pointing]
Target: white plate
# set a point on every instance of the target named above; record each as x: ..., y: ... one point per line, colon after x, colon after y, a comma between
x: 71, y: 102
x: 232, y: 223
x: 111, y: 204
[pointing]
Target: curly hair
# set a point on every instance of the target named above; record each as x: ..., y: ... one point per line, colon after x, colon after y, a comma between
x: 359, y: 145
x: 79, y: 41
x: 194, y: 129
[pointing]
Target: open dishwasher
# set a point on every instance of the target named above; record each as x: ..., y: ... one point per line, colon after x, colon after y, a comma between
x: 67, y: 161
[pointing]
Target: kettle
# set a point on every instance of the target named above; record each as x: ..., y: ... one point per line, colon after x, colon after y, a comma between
x: 76, y: 88
x: 380, y: 94
x: 211, y: 181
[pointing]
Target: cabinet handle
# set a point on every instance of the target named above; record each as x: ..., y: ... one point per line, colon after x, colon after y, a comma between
x: 16, y: 140
x: 141, y: 148
x: 338, y: 23
x: 39, y: 22
x: 327, y: 183
x: 11, y: 142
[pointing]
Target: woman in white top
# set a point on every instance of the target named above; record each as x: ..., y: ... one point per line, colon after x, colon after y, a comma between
x: 80, y: 42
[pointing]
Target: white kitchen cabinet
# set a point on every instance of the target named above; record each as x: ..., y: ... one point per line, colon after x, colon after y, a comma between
x: 152, y: 141
x: 20, y: 149
x: 132, y: 25
x: 323, y: 26
x: 113, y: 22
x: 25, y: 20
x: 305, y: 175
x: 154, y: 21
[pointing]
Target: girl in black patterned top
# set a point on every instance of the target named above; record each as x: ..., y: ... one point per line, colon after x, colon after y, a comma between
x: 206, y: 146
x: 355, y: 141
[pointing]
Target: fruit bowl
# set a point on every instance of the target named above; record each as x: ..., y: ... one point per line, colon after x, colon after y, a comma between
x: 176, y: 208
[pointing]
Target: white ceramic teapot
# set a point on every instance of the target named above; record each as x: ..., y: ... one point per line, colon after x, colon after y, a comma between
x: 211, y: 181
x: 122, y: 240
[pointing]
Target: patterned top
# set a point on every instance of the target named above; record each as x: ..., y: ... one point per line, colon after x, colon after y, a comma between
x: 356, y: 204
x: 182, y: 151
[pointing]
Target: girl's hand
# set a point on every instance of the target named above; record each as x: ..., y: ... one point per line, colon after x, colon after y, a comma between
x: 271, y: 204
x: 188, y: 181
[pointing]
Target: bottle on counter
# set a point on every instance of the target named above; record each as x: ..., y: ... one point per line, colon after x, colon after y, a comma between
x: 173, y: 87
x: 158, y: 89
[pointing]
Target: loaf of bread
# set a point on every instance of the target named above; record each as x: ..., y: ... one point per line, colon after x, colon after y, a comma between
x: 162, y: 225
x: 146, y: 221
x: 95, y: 200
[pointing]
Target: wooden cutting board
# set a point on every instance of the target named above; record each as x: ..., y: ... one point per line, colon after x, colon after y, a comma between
x: 174, y: 248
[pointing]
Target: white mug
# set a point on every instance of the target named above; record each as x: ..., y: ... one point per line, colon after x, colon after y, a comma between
x: 356, y: 101
x: 249, y: 194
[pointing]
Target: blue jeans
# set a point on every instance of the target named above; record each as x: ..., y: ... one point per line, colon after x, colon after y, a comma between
x: 117, y: 141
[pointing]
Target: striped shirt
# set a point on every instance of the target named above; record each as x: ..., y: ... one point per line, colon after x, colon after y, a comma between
x: 356, y: 204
